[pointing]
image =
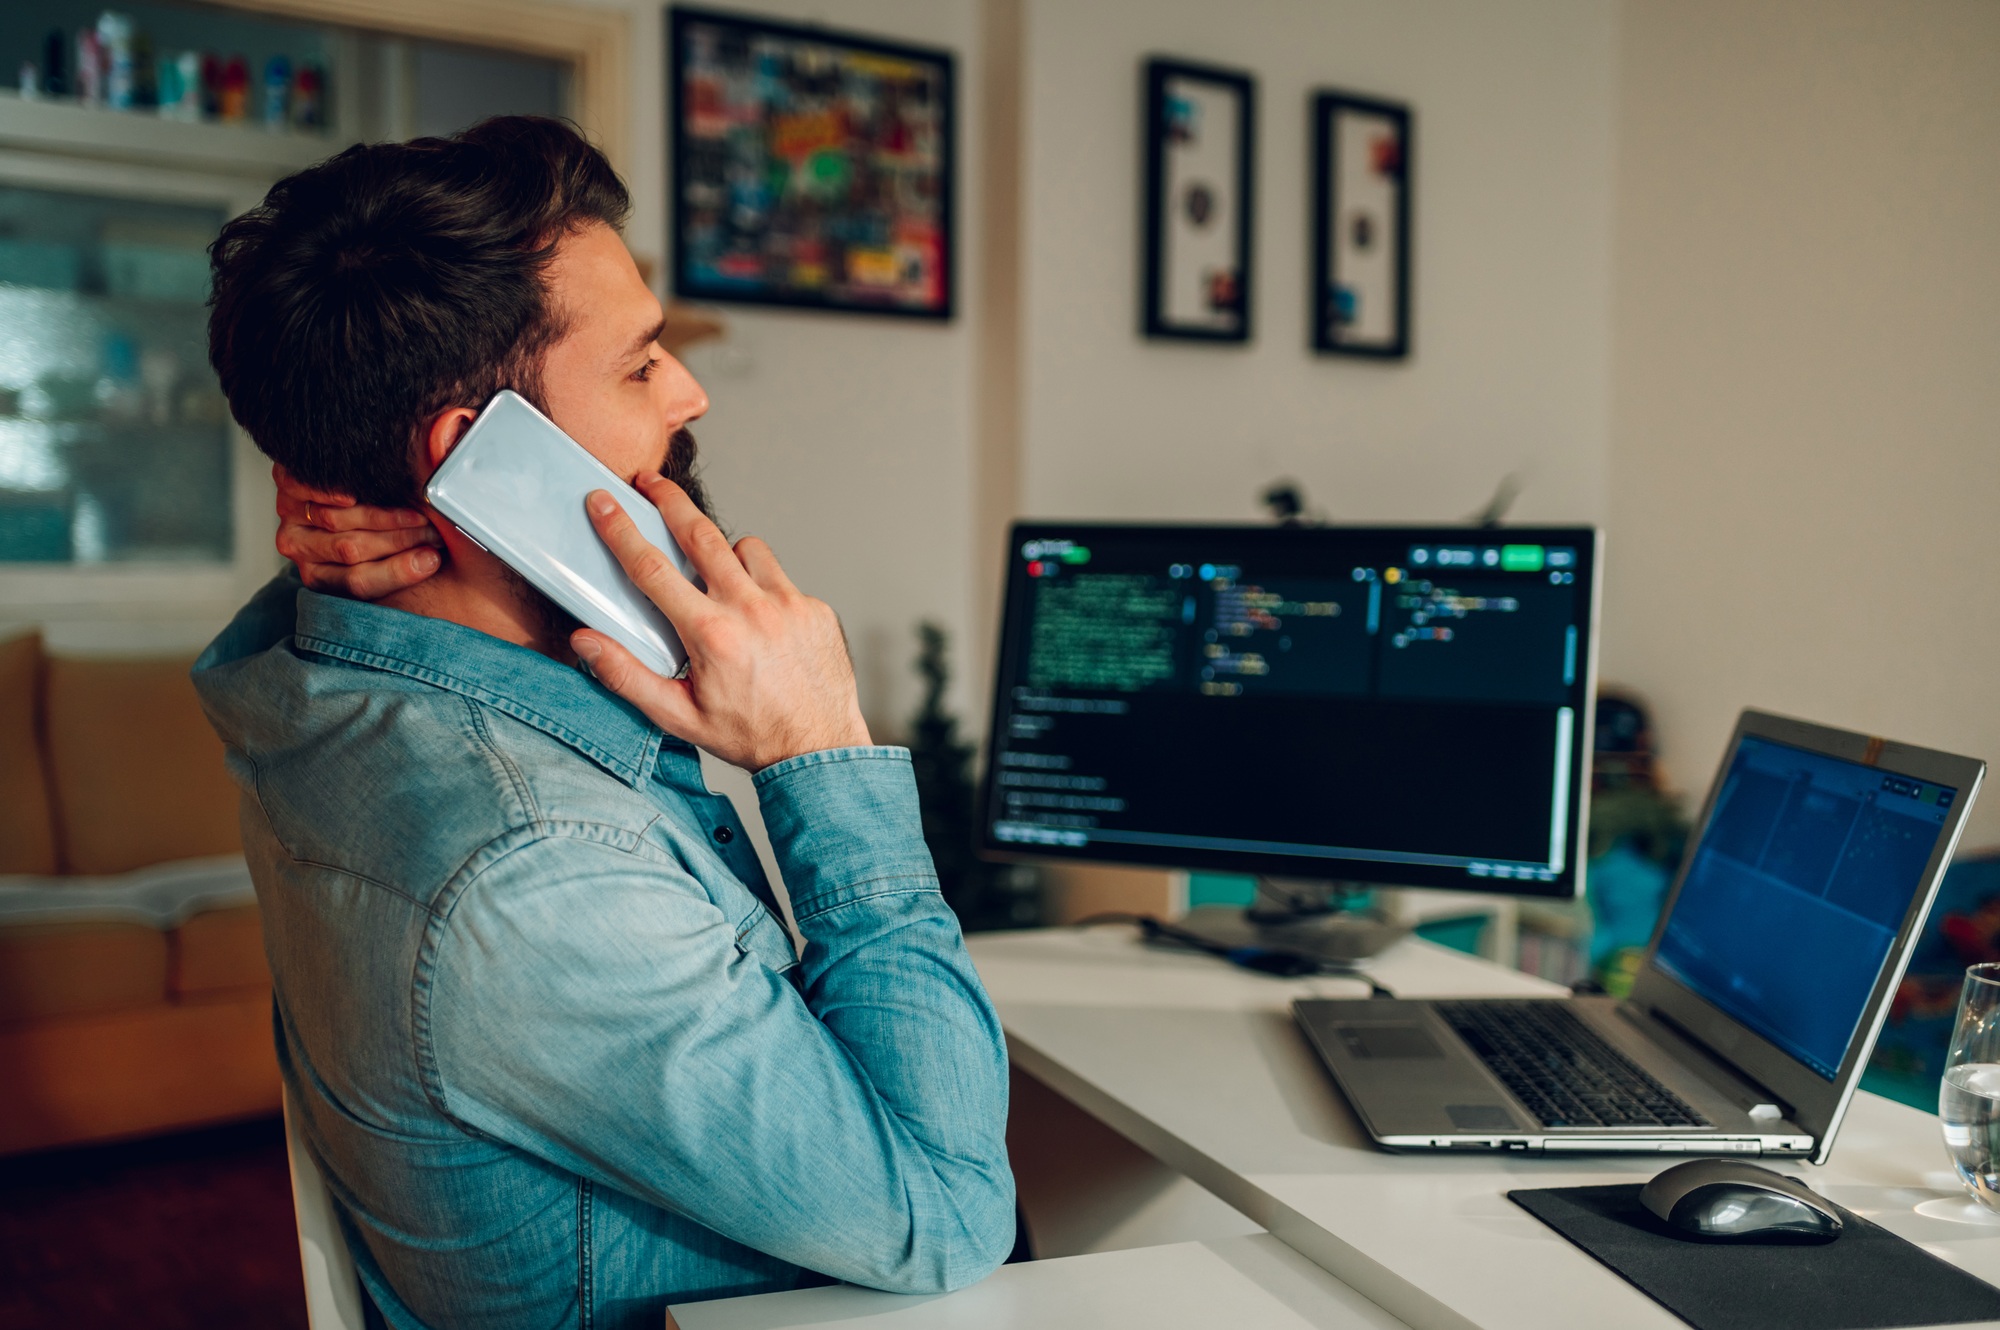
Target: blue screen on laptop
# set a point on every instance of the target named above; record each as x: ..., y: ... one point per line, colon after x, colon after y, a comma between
x: 1796, y: 892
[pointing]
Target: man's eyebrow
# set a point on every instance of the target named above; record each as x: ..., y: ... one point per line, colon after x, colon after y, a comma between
x: 645, y: 339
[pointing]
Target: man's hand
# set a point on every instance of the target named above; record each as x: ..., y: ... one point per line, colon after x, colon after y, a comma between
x: 768, y: 673
x: 349, y: 548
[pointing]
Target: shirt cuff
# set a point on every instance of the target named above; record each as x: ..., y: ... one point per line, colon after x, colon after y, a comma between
x: 845, y: 825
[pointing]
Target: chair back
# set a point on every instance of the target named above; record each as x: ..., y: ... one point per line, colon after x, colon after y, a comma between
x: 333, y: 1290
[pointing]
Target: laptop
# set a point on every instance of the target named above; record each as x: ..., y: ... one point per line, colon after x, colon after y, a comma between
x: 1784, y: 936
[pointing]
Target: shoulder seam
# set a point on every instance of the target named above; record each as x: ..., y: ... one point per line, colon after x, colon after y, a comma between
x: 383, y: 663
x: 263, y: 811
x: 529, y: 807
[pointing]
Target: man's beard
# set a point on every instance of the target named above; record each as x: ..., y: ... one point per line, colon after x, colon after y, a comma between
x: 683, y: 467
x: 552, y: 623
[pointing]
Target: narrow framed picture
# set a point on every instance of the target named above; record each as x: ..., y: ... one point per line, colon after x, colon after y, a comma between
x: 811, y: 167
x: 1362, y: 155
x: 1200, y: 201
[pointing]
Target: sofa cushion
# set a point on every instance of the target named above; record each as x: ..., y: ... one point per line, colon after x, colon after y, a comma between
x: 217, y: 952
x: 137, y: 772
x: 27, y: 832
x: 76, y: 969
x: 72, y: 946
x: 128, y: 1073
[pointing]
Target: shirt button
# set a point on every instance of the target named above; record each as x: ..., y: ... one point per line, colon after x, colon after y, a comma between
x: 723, y: 835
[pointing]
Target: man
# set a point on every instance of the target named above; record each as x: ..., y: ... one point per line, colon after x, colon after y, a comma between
x: 550, y: 1041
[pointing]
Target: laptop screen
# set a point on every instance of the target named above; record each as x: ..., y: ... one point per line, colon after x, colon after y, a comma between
x: 1796, y: 891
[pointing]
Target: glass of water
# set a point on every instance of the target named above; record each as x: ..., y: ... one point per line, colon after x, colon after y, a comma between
x: 1969, y: 1099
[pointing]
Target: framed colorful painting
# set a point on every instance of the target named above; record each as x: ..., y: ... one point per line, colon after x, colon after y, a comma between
x: 1362, y: 155
x: 1200, y: 174
x: 810, y: 167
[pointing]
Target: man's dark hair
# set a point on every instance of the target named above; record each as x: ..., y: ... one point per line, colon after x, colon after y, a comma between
x: 391, y: 282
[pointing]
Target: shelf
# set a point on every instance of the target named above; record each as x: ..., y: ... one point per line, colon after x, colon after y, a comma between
x: 138, y: 136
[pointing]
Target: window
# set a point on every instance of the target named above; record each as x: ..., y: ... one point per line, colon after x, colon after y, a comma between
x: 115, y: 442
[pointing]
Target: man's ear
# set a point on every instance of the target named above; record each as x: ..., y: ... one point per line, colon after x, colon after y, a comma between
x: 445, y: 430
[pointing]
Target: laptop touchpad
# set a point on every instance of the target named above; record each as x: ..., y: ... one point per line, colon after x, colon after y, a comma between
x: 1389, y: 1041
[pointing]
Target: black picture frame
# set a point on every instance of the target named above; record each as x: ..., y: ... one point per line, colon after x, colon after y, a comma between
x: 1156, y: 318
x: 689, y: 281
x: 1335, y: 302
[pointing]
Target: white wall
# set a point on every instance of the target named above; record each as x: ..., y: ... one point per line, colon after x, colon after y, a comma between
x: 845, y: 441
x: 850, y: 442
x: 1513, y: 206
x: 1805, y: 472
x: 1787, y: 423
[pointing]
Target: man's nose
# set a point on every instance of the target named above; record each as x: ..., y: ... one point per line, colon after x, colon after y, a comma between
x: 690, y: 402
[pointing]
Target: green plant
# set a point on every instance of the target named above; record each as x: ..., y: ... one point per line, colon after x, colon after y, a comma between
x: 983, y: 895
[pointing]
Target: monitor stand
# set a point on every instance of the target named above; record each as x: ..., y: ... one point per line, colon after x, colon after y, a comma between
x: 1315, y: 918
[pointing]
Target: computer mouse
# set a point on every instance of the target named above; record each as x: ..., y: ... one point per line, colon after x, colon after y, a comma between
x: 1725, y: 1200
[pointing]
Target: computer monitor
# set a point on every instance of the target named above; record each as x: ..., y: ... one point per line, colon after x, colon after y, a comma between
x: 1404, y: 706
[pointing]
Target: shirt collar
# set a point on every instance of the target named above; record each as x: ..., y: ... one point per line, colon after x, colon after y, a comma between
x: 555, y: 699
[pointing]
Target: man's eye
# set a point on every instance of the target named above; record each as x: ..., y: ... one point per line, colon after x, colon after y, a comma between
x: 645, y: 371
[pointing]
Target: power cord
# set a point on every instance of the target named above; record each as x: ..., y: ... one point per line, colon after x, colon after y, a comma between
x: 1280, y: 962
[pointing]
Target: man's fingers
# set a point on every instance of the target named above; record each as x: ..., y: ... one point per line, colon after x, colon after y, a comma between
x: 347, y: 517
x: 365, y: 517
x: 304, y: 544
x: 762, y: 565
x: 331, y: 510
x: 385, y: 577
x: 372, y: 581
x: 646, y: 563
x: 665, y: 700
x: 707, y: 549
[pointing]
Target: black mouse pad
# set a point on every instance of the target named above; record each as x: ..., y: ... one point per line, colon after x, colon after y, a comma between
x: 1865, y: 1279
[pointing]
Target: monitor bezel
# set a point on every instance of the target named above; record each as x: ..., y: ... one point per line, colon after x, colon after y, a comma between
x: 1815, y: 1103
x: 1588, y: 540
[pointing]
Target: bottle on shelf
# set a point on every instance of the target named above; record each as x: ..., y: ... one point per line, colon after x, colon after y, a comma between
x: 193, y: 97
x: 234, y: 100
x: 211, y: 86
x: 145, y: 75
x: 309, y: 97
x: 114, y: 40
x: 277, y: 102
x: 179, y: 83
x: 89, y: 68
x: 56, y: 64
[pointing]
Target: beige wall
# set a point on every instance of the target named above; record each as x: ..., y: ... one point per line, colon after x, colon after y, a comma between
x: 1722, y: 275
x: 1513, y: 231
x: 1805, y: 459
x: 852, y: 443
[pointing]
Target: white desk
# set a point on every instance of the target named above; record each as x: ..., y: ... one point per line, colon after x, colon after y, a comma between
x: 1201, y: 1066
x: 1244, y: 1283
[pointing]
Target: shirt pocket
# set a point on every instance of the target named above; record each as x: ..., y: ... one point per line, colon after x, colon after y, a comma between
x: 760, y: 934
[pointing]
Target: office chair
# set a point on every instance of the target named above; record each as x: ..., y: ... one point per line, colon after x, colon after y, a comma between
x: 333, y: 1291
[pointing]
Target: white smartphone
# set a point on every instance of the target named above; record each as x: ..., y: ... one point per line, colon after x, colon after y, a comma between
x: 516, y: 483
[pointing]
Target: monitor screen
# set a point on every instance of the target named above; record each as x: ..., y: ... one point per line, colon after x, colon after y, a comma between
x: 1795, y: 893
x: 1390, y: 705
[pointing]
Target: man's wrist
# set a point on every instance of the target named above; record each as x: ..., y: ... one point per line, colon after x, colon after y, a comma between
x: 861, y: 752
x: 836, y: 739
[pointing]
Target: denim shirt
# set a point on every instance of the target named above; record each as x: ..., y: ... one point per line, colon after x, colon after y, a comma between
x: 551, y: 1046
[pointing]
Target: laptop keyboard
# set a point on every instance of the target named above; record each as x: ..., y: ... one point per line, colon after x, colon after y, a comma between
x: 1561, y: 1070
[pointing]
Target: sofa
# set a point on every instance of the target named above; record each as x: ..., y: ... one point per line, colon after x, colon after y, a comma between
x: 134, y: 996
